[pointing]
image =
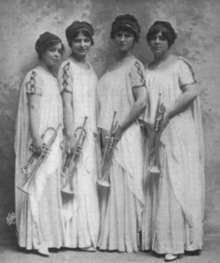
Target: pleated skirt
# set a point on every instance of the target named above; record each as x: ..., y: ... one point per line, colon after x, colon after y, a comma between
x: 165, y: 228
x: 81, y: 212
x: 51, y: 225
x: 120, y: 214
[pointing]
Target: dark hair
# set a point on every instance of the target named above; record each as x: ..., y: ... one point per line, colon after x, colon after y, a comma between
x: 167, y: 31
x: 127, y: 23
x: 45, y: 41
x: 76, y: 27
x: 76, y: 33
x: 153, y: 33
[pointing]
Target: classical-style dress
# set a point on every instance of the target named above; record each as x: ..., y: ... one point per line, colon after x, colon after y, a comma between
x: 81, y: 211
x: 174, y: 199
x: 122, y: 203
x: 39, y: 212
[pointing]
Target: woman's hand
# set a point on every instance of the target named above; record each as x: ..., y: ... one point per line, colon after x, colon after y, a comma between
x: 117, y: 133
x: 189, y: 94
x: 70, y: 144
x: 37, y: 144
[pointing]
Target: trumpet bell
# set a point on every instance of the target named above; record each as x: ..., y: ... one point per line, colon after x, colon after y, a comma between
x: 36, y: 160
x: 23, y: 188
x: 104, y: 183
x: 154, y: 170
x: 26, y: 185
x: 67, y: 189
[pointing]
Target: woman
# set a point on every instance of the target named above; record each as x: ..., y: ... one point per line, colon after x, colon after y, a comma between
x: 122, y: 90
x: 39, y: 206
x: 174, y: 205
x: 78, y: 86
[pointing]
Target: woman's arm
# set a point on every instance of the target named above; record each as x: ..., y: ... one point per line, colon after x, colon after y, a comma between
x: 34, y: 106
x: 68, y: 119
x: 138, y: 107
x: 190, y: 92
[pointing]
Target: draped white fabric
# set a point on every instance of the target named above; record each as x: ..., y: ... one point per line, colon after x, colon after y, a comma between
x: 81, y: 211
x: 122, y: 205
x: 39, y: 214
x: 174, y: 200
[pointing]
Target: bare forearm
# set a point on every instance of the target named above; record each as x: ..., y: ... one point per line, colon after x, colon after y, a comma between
x: 68, y: 121
x: 34, y: 115
x: 34, y: 123
x: 184, y: 100
x: 133, y: 115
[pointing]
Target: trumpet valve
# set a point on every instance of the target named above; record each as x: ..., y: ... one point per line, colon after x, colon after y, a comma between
x: 68, y: 188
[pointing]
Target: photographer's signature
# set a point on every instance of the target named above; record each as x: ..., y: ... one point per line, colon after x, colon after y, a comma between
x: 11, y: 218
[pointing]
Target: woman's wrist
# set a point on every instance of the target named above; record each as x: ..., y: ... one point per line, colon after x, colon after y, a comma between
x: 36, y: 138
x: 121, y: 128
x: 170, y: 113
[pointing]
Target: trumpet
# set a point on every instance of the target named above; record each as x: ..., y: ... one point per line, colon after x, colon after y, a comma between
x: 70, y: 164
x: 108, y: 154
x: 154, y: 148
x: 36, y: 160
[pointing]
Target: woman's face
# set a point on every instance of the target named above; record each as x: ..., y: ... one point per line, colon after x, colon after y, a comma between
x: 52, y: 55
x: 81, y: 45
x: 124, y: 41
x: 159, y: 45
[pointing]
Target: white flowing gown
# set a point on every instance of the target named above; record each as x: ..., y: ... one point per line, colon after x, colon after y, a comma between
x: 122, y: 203
x: 39, y: 214
x: 81, y: 211
x: 174, y: 199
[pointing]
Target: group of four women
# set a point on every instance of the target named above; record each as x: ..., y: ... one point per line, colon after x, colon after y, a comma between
x: 140, y: 210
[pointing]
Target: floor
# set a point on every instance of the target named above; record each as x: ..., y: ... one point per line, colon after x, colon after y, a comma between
x: 9, y: 253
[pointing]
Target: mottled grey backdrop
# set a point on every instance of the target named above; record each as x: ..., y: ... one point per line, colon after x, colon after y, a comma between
x: 197, y: 24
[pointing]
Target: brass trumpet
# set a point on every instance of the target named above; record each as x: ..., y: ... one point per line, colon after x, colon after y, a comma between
x: 108, y: 154
x: 70, y: 164
x: 154, y: 149
x: 36, y: 160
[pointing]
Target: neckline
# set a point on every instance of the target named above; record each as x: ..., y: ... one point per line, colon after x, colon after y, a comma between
x: 47, y: 71
x: 166, y: 65
x: 78, y: 64
x: 121, y: 65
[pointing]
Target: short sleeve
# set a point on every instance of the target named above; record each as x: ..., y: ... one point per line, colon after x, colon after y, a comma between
x: 65, y: 79
x: 34, y: 84
x: 186, y: 74
x: 137, y: 75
